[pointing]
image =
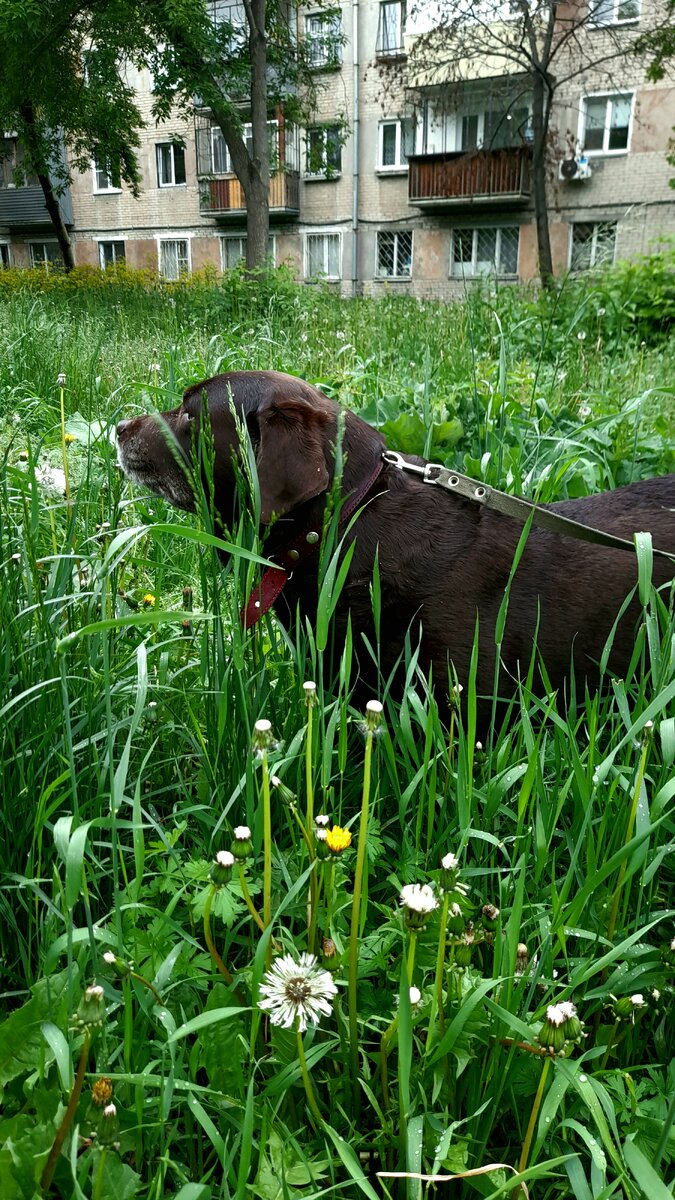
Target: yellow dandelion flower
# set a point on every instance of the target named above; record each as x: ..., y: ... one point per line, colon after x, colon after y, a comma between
x: 338, y: 839
x: 149, y: 600
x: 68, y: 438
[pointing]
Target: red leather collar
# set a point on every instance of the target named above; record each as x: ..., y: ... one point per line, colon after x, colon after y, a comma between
x: 293, y: 553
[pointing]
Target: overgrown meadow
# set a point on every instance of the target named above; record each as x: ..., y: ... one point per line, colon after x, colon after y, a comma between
x: 185, y: 818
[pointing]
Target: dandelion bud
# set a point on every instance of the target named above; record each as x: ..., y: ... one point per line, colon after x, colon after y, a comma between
x: 221, y: 870
x: 262, y: 737
x: 328, y: 948
x: 522, y: 958
x: 187, y: 598
x: 647, y: 732
x: 69, y: 438
x: 285, y: 794
x: 338, y: 839
x: 242, y: 845
x: 456, y: 920
x: 572, y: 1024
x: 321, y: 838
x: 322, y: 821
x: 415, y: 995
x: 121, y: 968
x: 449, y: 878
x: 627, y: 1006
x: 61, y: 380
x: 108, y: 1128
x: 489, y: 914
x: 552, y: 1033
x: 668, y: 953
x: 16, y: 558
x: 91, y: 1009
x: 454, y: 696
x: 309, y: 689
x: 374, y: 712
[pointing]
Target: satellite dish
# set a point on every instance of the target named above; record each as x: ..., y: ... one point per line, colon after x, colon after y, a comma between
x: 569, y: 168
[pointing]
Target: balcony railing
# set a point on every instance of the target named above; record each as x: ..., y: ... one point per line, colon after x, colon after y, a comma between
x: 225, y: 196
x: 467, y: 178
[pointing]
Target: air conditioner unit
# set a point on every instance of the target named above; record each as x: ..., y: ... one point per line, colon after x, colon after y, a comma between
x: 571, y: 169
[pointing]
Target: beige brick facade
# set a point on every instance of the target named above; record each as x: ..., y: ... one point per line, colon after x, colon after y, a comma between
x: 628, y: 189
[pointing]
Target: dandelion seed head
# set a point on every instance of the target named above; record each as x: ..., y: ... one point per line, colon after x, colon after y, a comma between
x: 297, y: 992
x: 418, y: 898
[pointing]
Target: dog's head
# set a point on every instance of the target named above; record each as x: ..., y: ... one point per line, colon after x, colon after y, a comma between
x: 292, y: 427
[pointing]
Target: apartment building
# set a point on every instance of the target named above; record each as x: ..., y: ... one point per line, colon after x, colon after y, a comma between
x: 404, y: 181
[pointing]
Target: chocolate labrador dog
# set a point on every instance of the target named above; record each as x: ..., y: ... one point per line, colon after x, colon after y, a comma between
x: 443, y: 562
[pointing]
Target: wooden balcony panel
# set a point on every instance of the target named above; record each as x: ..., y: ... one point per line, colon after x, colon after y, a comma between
x: 225, y: 196
x: 481, y: 177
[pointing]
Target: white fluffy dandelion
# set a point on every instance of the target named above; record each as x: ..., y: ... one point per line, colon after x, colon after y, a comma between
x: 297, y: 992
x: 418, y: 898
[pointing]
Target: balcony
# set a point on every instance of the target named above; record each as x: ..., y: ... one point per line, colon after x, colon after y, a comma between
x: 224, y: 197
x: 465, y: 179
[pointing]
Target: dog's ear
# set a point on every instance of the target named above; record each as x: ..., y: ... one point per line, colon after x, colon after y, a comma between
x: 291, y: 458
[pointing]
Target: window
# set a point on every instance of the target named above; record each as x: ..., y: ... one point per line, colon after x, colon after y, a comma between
x: 613, y: 12
x: 174, y: 257
x: 592, y: 245
x: 394, y: 255
x: 324, y: 151
x: 170, y: 164
x: 45, y: 254
x: 221, y: 163
x: 606, y: 124
x: 106, y: 176
x: 390, y: 28
x: 4, y: 255
x: 225, y: 13
x: 396, y: 143
x: 324, y: 39
x: 323, y: 255
x: 485, y: 251
x: 110, y: 253
x: 233, y: 251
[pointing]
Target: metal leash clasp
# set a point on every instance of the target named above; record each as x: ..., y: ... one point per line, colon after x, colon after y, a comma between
x: 397, y: 460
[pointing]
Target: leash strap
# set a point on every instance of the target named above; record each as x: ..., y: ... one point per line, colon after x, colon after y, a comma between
x: 511, y: 506
x: 290, y: 556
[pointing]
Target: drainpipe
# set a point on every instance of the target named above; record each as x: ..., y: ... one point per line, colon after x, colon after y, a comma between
x: 355, y: 147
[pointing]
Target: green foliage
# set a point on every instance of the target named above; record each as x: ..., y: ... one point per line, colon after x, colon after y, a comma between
x: 128, y: 708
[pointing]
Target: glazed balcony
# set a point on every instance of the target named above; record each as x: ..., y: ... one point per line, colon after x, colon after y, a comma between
x: 467, y: 179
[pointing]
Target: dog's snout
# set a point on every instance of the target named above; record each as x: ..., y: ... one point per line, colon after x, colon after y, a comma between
x: 122, y: 426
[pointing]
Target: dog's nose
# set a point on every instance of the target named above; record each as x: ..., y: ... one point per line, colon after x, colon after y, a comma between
x: 121, y: 427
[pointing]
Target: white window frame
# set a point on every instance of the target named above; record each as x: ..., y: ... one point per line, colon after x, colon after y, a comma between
x: 581, y: 131
x: 474, y: 273
x: 172, y: 181
x: 174, y: 237
x: 44, y: 261
x: 594, y: 244
x: 241, y: 238
x: 399, y: 167
x: 319, y: 28
x: 396, y: 234
x: 247, y: 136
x: 96, y: 171
x: 326, y: 233
x: 398, y: 50
x: 602, y: 9
x: 326, y: 172
x: 101, y: 242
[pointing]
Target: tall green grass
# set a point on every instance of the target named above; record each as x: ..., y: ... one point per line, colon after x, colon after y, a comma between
x: 128, y: 704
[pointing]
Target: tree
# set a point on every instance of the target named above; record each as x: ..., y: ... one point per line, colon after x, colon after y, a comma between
x: 531, y: 50
x: 57, y: 92
x: 236, y: 58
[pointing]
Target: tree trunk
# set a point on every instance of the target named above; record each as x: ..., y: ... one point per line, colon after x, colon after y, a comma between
x: 540, y: 109
x: 256, y: 189
x: 32, y: 140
